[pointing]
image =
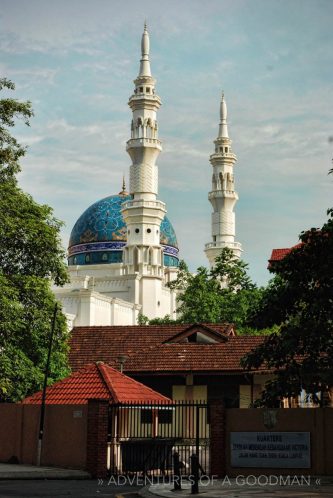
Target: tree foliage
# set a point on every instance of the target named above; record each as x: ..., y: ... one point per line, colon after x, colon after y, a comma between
x: 223, y: 294
x: 31, y: 256
x: 300, y: 299
x: 10, y: 150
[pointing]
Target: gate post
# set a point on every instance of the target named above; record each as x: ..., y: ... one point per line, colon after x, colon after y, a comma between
x: 217, y: 438
x: 177, y: 480
x: 97, y: 433
x: 195, y: 474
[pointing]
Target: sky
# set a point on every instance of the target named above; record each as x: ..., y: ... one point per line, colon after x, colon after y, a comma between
x: 76, y: 60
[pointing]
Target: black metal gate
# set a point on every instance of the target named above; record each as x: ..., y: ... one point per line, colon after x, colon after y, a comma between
x: 142, y: 438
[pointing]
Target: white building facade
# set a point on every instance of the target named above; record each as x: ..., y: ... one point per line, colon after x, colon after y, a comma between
x: 123, y: 250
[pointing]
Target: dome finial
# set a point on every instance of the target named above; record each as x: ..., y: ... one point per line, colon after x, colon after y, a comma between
x: 123, y: 190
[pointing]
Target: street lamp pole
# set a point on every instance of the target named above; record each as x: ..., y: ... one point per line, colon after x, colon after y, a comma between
x: 42, y: 409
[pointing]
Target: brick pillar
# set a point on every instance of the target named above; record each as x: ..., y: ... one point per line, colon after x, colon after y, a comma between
x: 218, y: 438
x: 97, y: 432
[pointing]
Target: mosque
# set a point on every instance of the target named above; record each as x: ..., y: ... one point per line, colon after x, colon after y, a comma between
x: 123, y: 249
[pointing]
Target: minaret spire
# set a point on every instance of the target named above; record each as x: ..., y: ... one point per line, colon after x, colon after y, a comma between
x: 145, y: 45
x: 223, y: 128
x: 223, y: 196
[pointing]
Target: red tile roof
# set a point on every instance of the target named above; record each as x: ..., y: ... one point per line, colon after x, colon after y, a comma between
x: 148, y: 349
x: 221, y: 357
x: 278, y: 254
x: 97, y: 380
x: 107, y: 343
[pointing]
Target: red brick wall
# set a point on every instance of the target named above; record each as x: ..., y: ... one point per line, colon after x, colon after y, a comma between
x: 217, y: 438
x: 97, y: 437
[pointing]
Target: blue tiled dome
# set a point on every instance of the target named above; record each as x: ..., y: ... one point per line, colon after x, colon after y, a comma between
x: 99, y: 235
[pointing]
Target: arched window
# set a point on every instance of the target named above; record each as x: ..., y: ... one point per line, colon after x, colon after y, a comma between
x: 214, y: 181
x: 150, y: 256
x: 136, y: 258
x: 149, y: 128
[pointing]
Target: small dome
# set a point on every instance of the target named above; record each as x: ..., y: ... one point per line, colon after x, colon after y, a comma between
x: 100, y: 234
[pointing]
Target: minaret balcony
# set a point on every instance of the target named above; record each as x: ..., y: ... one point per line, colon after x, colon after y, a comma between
x: 218, y: 157
x: 217, y: 194
x: 153, y: 97
x: 223, y: 154
x: 144, y: 142
x: 144, y: 100
x: 142, y: 203
x: 221, y: 245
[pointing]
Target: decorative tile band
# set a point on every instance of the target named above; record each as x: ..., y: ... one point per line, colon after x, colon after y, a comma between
x: 96, y: 246
x: 172, y: 251
x: 112, y: 246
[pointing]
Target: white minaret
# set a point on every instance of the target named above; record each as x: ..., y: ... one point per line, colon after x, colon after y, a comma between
x: 222, y: 196
x: 143, y: 253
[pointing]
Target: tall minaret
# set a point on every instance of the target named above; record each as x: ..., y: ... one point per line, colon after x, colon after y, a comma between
x: 143, y: 215
x: 222, y: 196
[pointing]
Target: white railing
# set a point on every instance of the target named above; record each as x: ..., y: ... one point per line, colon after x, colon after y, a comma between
x: 143, y: 141
x: 221, y: 245
x: 143, y: 203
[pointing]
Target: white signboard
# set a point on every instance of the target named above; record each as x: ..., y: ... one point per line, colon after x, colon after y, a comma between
x: 285, y: 450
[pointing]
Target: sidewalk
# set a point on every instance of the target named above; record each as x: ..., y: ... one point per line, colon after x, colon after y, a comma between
x: 12, y: 471
x: 230, y: 488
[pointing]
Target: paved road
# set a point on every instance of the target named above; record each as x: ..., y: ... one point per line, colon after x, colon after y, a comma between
x: 232, y: 490
x: 94, y: 489
x: 68, y: 488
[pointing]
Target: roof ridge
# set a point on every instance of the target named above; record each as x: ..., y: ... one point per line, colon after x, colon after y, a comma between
x: 101, y: 369
x: 102, y: 366
x: 62, y: 382
x: 205, y: 328
x: 65, y: 380
x: 152, y: 326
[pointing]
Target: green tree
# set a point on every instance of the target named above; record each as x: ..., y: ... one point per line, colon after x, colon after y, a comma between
x: 182, y: 277
x: 31, y: 257
x: 223, y: 294
x: 301, y: 299
x: 232, y: 271
x: 10, y: 150
x: 200, y: 301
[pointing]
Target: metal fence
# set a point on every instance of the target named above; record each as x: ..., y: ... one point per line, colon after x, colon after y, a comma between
x: 142, y: 438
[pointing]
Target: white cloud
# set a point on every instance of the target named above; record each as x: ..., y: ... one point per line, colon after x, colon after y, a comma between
x: 76, y: 60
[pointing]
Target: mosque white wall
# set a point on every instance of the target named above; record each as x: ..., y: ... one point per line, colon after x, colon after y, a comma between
x: 87, y: 308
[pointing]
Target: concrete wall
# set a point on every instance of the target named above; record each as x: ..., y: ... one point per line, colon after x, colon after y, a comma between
x: 65, y: 434
x: 317, y: 421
